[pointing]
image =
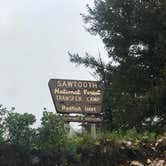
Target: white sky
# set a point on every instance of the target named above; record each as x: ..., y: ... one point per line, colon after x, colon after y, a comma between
x: 35, y: 36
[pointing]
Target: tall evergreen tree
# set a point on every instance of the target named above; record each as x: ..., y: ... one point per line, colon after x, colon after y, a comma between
x: 134, y: 35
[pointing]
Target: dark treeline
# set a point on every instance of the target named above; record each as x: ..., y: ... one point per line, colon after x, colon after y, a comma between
x: 23, y: 144
x: 18, y: 129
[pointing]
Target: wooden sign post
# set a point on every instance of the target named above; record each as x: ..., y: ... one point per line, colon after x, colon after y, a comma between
x: 93, y: 130
x: 79, y: 97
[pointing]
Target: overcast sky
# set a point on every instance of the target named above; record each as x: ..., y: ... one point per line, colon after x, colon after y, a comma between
x: 35, y: 36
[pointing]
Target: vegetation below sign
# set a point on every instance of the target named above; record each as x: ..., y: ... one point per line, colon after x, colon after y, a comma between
x: 73, y: 96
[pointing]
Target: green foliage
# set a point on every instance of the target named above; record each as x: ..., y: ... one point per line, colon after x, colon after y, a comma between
x: 3, y: 114
x: 52, y: 133
x: 86, y: 141
x: 19, y: 130
x: 52, y: 145
x: 128, y: 135
x: 134, y: 36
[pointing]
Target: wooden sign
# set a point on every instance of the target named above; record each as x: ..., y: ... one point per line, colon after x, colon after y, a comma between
x: 74, y: 96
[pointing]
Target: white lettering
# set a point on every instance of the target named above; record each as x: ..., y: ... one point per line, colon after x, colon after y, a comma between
x: 68, y: 98
x: 90, y: 109
x: 71, y: 108
x: 67, y: 92
x: 91, y: 92
x: 76, y: 84
x: 92, y: 99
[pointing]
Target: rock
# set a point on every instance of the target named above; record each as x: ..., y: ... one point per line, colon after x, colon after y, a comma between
x: 149, y: 161
x: 35, y: 160
x: 136, y: 163
x: 159, y: 163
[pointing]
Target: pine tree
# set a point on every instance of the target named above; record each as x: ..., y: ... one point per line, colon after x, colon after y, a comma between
x: 134, y: 35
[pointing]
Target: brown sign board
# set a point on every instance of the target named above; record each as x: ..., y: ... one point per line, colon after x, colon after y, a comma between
x: 74, y: 96
x: 88, y: 119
